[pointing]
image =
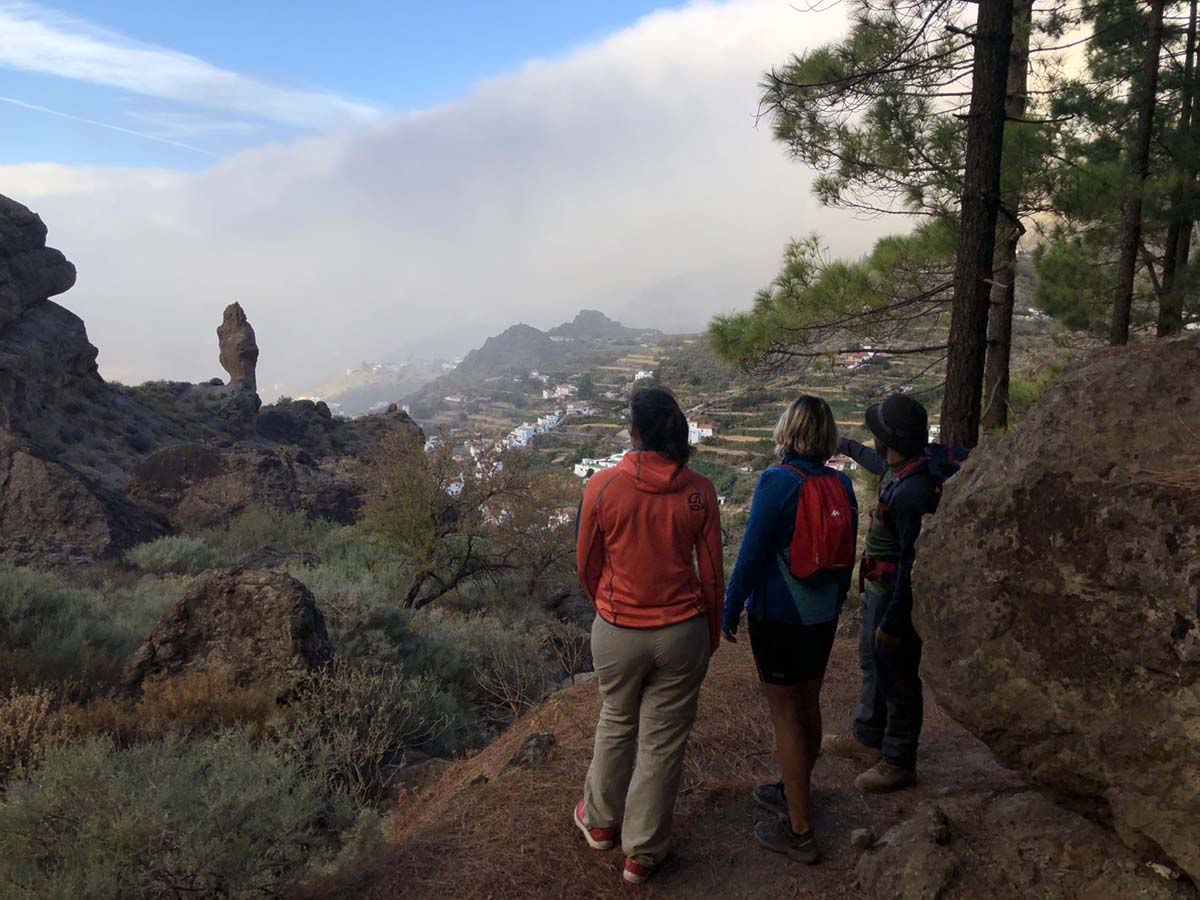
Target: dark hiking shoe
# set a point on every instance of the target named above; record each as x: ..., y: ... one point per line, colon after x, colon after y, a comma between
x: 847, y: 746
x: 778, y: 837
x: 884, y: 778
x: 771, y: 798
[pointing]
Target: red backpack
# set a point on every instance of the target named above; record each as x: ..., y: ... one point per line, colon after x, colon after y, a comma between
x: 826, y: 525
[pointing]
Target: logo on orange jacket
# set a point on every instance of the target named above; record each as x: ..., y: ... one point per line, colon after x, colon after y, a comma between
x: 696, y: 502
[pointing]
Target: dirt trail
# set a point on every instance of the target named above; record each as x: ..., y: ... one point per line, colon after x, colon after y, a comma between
x: 512, y: 837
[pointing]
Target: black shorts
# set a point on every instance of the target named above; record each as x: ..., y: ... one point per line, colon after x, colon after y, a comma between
x: 789, y: 654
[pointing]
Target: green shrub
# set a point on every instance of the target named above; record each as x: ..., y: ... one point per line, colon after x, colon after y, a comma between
x: 175, y: 556
x: 355, y: 725
x: 257, y: 528
x: 503, y: 669
x: 53, y: 631
x: 208, y: 818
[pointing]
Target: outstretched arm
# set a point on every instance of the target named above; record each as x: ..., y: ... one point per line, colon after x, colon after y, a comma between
x: 871, y: 460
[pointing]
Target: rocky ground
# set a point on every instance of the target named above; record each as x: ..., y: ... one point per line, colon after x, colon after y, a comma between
x: 972, y: 829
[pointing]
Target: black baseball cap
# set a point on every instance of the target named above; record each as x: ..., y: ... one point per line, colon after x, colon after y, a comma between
x: 900, y: 422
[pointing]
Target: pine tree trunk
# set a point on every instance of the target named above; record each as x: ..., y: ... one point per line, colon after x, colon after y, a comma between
x: 1004, y: 277
x: 1131, y: 220
x: 1179, y: 232
x: 977, y: 225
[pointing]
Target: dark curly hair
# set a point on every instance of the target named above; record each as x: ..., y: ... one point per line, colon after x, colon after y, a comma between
x: 661, y: 424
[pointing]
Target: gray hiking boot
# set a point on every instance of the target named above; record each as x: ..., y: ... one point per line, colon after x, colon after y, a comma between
x: 847, y: 746
x: 884, y: 778
x: 778, y: 837
x: 771, y: 798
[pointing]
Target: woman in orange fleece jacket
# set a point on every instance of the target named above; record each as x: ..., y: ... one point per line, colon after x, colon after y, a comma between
x: 649, y: 555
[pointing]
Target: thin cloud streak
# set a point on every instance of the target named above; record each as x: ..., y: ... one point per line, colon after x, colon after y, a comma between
x: 34, y: 107
x: 38, y: 39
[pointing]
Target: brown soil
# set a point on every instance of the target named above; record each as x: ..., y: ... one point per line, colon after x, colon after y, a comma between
x: 511, y: 836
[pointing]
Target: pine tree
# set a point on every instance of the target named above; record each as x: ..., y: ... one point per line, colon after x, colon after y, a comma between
x: 977, y: 227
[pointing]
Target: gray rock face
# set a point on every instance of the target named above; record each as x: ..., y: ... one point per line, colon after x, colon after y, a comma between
x: 253, y: 628
x: 239, y: 350
x: 194, y: 486
x: 1057, y: 591
x: 51, y: 516
x: 1008, y: 848
x: 30, y: 272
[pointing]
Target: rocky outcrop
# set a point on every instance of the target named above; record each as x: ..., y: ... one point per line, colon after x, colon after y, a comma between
x: 50, y: 515
x: 239, y: 349
x: 197, y: 453
x: 252, y: 628
x: 52, y: 397
x: 1057, y: 592
x: 1014, y: 846
x: 30, y: 272
x: 309, y: 425
x: 194, y: 486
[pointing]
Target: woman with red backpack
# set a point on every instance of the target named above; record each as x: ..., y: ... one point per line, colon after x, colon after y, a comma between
x: 792, y: 576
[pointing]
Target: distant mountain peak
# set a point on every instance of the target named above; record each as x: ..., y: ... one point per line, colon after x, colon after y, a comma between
x: 591, y: 324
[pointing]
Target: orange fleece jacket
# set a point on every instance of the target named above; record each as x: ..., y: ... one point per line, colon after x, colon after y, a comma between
x: 649, y: 545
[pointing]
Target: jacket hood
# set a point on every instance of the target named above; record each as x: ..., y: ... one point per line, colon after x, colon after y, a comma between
x: 653, y: 472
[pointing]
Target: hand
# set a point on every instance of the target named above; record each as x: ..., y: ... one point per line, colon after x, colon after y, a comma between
x: 729, y: 636
x: 886, y: 643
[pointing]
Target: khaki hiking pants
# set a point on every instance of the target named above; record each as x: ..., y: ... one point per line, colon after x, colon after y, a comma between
x: 650, y: 681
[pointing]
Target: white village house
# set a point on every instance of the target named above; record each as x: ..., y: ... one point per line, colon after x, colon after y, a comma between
x: 588, y: 467
x: 698, y: 432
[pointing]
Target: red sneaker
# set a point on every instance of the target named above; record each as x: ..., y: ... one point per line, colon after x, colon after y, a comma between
x: 597, y: 838
x: 635, y: 872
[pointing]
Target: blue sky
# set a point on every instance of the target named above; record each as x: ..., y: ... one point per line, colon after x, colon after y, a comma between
x: 386, y: 57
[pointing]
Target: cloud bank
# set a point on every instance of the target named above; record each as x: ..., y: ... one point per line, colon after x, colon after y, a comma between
x: 626, y: 176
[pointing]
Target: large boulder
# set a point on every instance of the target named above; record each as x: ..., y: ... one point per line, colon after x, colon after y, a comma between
x: 50, y: 515
x: 1057, y: 592
x: 194, y: 486
x: 253, y: 628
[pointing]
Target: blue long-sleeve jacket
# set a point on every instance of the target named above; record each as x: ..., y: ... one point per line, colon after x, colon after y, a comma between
x: 757, y: 583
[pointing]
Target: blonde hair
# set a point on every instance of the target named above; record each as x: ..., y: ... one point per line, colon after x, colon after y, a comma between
x: 806, y: 429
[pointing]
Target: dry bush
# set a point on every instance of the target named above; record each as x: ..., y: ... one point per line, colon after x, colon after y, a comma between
x: 355, y: 725
x: 570, y: 646
x: 191, y: 705
x: 511, y: 680
x: 29, y: 726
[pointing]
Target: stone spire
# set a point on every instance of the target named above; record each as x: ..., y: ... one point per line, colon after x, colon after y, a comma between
x: 239, y: 350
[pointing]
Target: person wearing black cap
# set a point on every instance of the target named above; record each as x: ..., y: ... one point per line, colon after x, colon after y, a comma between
x: 887, y: 724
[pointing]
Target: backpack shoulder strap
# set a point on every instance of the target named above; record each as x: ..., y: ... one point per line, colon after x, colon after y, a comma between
x: 917, y: 465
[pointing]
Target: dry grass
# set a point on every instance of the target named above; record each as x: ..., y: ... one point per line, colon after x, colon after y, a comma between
x: 29, y: 726
x: 190, y: 706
